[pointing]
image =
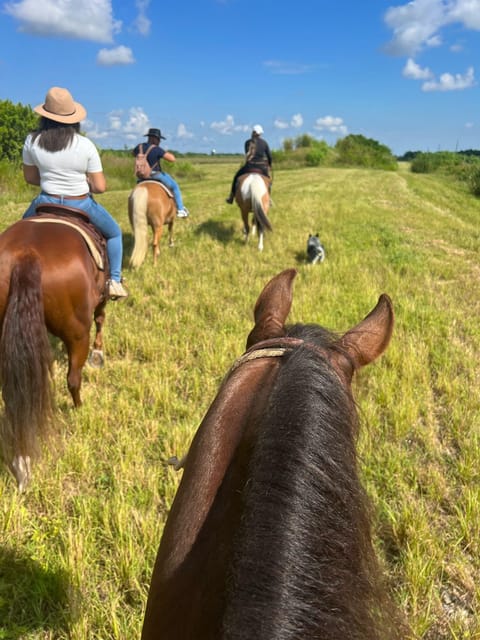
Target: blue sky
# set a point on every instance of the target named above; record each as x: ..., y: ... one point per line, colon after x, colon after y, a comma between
x: 206, y: 71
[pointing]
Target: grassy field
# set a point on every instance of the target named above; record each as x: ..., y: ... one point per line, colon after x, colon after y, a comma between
x: 77, y: 550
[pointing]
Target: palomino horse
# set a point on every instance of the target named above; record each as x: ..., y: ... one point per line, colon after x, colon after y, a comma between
x: 48, y: 282
x: 150, y: 204
x: 269, y: 534
x: 252, y: 195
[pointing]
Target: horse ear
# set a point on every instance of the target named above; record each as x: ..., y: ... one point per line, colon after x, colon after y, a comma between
x: 272, y: 308
x: 367, y: 340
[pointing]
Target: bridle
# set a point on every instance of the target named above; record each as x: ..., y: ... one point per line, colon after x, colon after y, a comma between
x: 278, y: 347
x: 274, y: 348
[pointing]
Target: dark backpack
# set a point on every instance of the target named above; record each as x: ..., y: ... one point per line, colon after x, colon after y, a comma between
x: 142, y: 168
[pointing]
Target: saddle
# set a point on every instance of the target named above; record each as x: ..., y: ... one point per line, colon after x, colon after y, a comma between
x: 168, y: 191
x: 80, y: 221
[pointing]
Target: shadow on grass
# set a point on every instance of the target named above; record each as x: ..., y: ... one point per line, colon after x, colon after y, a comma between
x: 128, y: 242
x: 217, y: 230
x: 32, y: 598
x: 300, y: 257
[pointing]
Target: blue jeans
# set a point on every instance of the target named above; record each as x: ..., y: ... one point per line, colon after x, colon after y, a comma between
x: 169, y: 182
x: 100, y: 218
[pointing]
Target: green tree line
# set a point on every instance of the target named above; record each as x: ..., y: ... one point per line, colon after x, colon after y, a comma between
x: 16, y: 121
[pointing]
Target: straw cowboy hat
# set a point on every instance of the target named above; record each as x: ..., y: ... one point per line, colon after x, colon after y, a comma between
x: 61, y: 107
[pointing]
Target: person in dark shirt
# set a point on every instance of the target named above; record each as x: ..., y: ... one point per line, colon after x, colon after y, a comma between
x: 258, y: 158
x: 153, y: 158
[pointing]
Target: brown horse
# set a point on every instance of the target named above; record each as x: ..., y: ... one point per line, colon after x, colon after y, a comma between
x: 252, y: 195
x: 269, y: 534
x: 49, y: 282
x: 150, y: 204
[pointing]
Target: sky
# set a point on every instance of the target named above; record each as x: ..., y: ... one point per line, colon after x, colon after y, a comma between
x: 206, y: 71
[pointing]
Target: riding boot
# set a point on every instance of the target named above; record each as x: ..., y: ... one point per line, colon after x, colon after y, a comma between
x: 230, y: 198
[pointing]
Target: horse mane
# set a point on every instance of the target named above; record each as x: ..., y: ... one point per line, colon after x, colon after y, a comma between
x: 304, y: 564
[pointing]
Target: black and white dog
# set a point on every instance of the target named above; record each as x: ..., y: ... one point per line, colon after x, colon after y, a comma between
x: 315, y: 250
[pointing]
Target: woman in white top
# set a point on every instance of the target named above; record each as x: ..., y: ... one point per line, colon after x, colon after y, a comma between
x: 67, y: 167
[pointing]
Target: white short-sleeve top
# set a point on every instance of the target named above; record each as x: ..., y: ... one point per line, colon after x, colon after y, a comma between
x: 64, y: 172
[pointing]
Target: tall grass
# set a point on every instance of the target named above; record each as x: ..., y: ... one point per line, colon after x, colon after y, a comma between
x: 77, y: 551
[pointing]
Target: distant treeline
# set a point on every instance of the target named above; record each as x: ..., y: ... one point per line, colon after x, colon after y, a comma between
x: 303, y: 151
x: 411, y: 155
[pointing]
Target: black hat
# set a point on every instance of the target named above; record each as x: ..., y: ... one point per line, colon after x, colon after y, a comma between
x: 155, y: 133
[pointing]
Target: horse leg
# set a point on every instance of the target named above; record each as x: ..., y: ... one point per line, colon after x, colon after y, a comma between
x: 170, y: 234
x: 260, y: 240
x: 157, y: 235
x: 246, y: 227
x: 254, y: 226
x: 77, y: 356
x: 96, y: 358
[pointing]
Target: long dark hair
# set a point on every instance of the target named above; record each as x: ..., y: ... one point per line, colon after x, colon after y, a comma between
x: 54, y: 136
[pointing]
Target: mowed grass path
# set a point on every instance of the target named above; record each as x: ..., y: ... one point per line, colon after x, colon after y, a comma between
x: 77, y: 551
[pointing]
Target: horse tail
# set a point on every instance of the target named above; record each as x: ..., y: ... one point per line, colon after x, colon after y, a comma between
x: 258, y: 192
x: 25, y: 363
x: 138, y: 205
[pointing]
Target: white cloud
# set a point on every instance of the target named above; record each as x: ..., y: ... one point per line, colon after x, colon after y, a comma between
x: 115, y: 121
x: 93, y: 131
x: 413, y: 71
x: 137, y: 123
x: 297, y: 120
x: 117, y: 56
x: 228, y: 126
x: 467, y: 12
x: 331, y: 124
x: 413, y: 25
x: 417, y: 24
x: 287, y: 68
x: 280, y: 124
x: 142, y: 23
x: 450, y: 82
x: 82, y: 19
x: 182, y: 132
x: 127, y: 126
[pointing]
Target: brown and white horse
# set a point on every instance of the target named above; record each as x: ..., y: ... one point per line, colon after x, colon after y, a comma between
x: 252, y: 195
x: 150, y: 203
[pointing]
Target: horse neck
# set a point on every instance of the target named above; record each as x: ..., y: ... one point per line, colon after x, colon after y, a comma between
x: 304, y: 550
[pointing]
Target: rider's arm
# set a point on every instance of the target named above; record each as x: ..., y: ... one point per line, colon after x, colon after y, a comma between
x: 168, y: 155
x: 97, y: 182
x: 31, y: 174
x: 269, y: 156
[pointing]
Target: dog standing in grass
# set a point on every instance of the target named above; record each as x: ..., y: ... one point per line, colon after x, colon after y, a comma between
x: 315, y: 250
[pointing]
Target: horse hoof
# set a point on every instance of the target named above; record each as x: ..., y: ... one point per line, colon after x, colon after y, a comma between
x: 21, y: 469
x: 176, y: 463
x: 96, y: 358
